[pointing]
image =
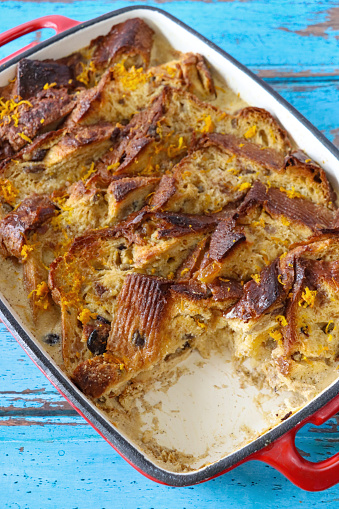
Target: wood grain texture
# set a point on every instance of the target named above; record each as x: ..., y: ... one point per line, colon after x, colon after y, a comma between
x: 49, y: 457
x: 262, y: 34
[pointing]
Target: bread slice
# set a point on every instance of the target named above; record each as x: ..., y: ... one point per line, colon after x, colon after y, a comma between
x: 19, y: 237
x: 130, y: 41
x: 24, y: 120
x: 154, y: 320
x: 221, y: 168
x: 265, y: 225
x: 124, y: 91
x: 90, y: 275
x: 159, y: 136
x: 28, y: 217
x: 288, y: 321
x: 54, y: 160
x: 33, y: 76
x: 127, y: 195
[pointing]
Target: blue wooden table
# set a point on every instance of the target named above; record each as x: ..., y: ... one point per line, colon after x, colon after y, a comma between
x: 50, y: 458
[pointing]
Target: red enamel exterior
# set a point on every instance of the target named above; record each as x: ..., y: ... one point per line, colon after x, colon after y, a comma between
x: 58, y: 23
x: 282, y: 454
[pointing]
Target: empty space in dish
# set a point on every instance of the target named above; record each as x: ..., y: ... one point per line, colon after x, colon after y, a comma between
x: 208, y: 412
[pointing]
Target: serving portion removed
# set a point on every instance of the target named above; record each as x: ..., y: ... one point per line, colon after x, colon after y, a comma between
x: 151, y: 218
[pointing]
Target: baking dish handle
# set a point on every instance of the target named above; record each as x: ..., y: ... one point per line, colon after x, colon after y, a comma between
x: 284, y: 456
x: 58, y: 23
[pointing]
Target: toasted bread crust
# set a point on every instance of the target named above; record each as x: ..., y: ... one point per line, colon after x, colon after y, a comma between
x: 51, y: 106
x: 259, y: 297
x: 33, y: 75
x: 158, y: 222
x: 29, y: 216
x: 129, y: 39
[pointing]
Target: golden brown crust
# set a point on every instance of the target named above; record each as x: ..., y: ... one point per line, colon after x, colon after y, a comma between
x: 50, y: 106
x: 197, y: 76
x: 36, y: 151
x: 221, y: 290
x: 298, y: 210
x: 191, y: 264
x: 126, y: 195
x: 95, y: 375
x: 259, y: 298
x: 34, y: 273
x: 88, y: 100
x: 278, y: 203
x: 141, y: 279
x: 28, y: 217
x: 86, y: 135
x: 33, y: 75
x: 224, y: 239
x: 301, y: 163
x: 256, y: 116
x: 267, y: 157
x: 141, y: 308
x: 130, y: 39
x: 138, y: 135
x: 121, y: 188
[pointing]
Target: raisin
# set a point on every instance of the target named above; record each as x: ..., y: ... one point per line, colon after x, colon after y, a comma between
x: 103, y: 320
x: 39, y: 154
x: 100, y: 289
x: 297, y: 356
x: 115, y: 134
x: 305, y: 330
x: 97, y: 342
x: 34, y: 168
x: 138, y: 340
x: 51, y: 339
x: 286, y: 416
x: 328, y: 328
x: 152, y: 131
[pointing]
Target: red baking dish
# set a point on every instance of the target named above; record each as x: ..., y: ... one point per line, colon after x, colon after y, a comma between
x: 277, y: 445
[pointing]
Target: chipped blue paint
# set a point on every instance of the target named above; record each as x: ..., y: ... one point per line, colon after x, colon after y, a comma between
x: 249, y: 29
x: 50, y: 458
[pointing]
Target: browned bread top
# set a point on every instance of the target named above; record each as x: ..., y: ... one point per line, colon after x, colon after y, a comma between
x: 129, y: 40
x: 162, y: 219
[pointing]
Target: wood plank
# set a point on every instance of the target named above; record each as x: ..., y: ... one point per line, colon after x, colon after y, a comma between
x: 16, y: 381
x: 55, y: 471
x: 293, y: 36
x: 316, y: 99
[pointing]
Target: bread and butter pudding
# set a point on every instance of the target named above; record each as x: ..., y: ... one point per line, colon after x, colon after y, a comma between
x: 147, y: 212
